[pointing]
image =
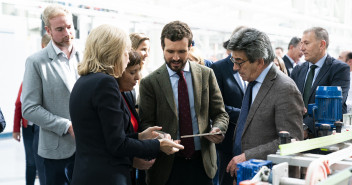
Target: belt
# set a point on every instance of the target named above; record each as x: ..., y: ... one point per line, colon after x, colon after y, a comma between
x: 196, y: 155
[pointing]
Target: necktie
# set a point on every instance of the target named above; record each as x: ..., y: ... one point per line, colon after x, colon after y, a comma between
x: 308, y: 85
x: 246, y: 105
x: 185, y: 120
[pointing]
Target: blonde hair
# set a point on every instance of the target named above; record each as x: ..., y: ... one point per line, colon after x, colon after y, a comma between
x: 137, y: 39
x: 104, y: 49
x: 195, y: 55
x: 54, y: 10
x: 281, y: 64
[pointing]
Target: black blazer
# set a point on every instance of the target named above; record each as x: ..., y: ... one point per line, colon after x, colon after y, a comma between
x: 288, y: 65
x: 128, y: 95
x: 232, y: 95
x: 332, y: 73
x: 104, y: 141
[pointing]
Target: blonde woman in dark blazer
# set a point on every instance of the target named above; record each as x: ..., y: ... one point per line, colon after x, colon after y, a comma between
x: 101, y: 120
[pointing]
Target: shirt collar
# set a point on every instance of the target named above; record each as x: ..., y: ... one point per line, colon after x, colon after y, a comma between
x: 58, y: 50
x: 320, y: 62
x: 262, y: 75
x: 291, y: 60
x: 185, y: 69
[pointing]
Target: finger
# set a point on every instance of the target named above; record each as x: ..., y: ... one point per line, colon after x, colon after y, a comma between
x: 155, y: 128
x: 215, y: 129
x: 167, y: 136
x: 174, y: 150
x: 177, y: 141
x: 217, y: 137
x: 229, y: 166
x: 209, y: 138
x: 154, y: 134
x: 179, y: 146
x: 232, y: 171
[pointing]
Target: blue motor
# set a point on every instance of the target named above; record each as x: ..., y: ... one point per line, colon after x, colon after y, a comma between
x: 248, y: 169
x: 328, y: 105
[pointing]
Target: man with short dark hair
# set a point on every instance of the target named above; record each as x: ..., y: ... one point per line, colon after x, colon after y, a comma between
x: 279, y: 51
x: 293, y: 54
x: 181, y: 97
x: 320, y: 70
x: 343, y: 56
x: 266, y: 109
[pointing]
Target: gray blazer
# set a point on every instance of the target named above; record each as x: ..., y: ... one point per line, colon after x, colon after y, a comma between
x: 277, y: 107
x: 47, y: 86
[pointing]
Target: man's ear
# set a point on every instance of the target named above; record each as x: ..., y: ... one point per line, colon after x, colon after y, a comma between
x: 261, y: 61
x: 48, y: 31
x: 323, y: 44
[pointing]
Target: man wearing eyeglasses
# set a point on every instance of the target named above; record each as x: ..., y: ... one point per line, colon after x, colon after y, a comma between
x: 272, y: 102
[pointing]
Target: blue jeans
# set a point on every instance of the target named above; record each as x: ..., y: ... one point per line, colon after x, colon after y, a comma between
x: 33, y: 161
x: 28, y: 135
x: 39, y: 161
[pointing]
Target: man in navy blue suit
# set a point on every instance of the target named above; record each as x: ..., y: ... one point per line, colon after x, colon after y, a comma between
x: 293, y: 54
x: 232, y: 88
x: 320, y: 70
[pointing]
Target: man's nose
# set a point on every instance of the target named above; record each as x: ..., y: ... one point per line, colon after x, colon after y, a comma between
x: 176, y: 57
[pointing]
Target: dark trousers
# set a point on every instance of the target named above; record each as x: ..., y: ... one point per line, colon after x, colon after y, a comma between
x: 188, y: 172
x: 39, y: 161
x: 141, y: 177
x: 224, y: 177
x: 59, y: 171
x: 216, y: 177
x: 28, y: 135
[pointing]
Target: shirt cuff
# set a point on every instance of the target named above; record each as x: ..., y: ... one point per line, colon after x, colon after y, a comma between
x: 67, y: 127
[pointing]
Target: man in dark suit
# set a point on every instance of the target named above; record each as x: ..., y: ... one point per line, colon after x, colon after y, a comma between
x: 293, y: 54
x: 320, y: 70
x: 266, y: 108
x: 181, y: 97
x: 232, y: 88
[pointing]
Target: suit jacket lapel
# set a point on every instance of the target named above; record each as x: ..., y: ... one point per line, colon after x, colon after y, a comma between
x: 165, y: 85
x: 324, y: 69
x: 263, y: 91
x: 197, y: 86
x: 59, y: 67
x: 302, y: 77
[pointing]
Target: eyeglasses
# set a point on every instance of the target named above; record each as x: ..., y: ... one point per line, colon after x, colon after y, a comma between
x: 238, y: 61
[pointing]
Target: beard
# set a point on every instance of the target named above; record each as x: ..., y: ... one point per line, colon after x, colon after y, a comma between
x: 65, y: 42
x: 176, y: 65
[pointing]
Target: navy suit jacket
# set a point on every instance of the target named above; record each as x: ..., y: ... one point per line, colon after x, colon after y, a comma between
x: 232, y: 95
x: 105, y: 142
x: 332, y: 73
x: 288, y: 65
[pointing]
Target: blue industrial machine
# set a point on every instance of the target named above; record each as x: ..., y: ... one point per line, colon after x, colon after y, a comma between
x: 328, y: 106
x: 248, y: 169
